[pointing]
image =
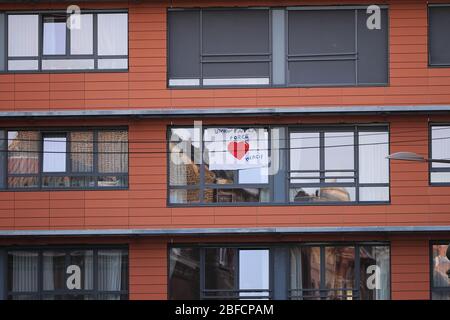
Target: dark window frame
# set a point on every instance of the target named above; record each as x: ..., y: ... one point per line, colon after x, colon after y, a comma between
x: 271, y: 248
x: 286, y: 161
x: 322, y: 130
x: 67, y: 249
x: 430, y: 63
x: 40, y: 57
x: 430, y: 250
x: 94, y: 174
x: 286, y: 62
x: 430, y: 155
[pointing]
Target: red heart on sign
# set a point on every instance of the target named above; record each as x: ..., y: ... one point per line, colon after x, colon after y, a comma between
x: 238, y: 149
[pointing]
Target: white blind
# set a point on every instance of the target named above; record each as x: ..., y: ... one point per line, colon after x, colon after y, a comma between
x: 113, y: 34
x: 23, y: 35
x: 81, y: 40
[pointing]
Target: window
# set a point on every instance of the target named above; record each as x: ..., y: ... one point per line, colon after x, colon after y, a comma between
x: 71, y: 159
x: 438, y: 42
x: 44, y: 42
x: 440, y: 150
x: 228, y: 273
x: 339, y: 165
x: 335, y: 47
x: 329, y: 272
x: 440, y: 266
x: 68, y: 274
x: 234, y: 168
x: 294, y: 46
x: 243, y: 165
x: 326, y: 271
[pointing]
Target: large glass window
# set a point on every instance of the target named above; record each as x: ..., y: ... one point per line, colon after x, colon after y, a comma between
x: 440, y: 150
x: 291, y: 271
x: 67, y: 42
x: 74, y: 274
x: 339, y: 165
x: 440, y: 266
x: 329, y: 272
x: 438, y: 27
x: 70, y: 159
x: 294, y: 46
x: 219, y: 165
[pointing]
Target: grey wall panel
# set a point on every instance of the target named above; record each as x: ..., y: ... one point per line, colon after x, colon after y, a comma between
x: 3, y: 158
x: 184, y: 44
x: 373, y: 56
x: 2, y: 42
x: 278, y: 47
x: 439, y: 29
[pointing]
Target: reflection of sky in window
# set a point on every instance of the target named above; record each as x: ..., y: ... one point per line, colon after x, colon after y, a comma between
x: 253, y: 270
x: 54, y: 154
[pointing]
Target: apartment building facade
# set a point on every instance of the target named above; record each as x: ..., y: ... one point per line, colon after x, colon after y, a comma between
x: 224, y: 149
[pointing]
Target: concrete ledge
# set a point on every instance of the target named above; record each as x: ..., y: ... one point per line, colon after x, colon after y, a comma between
x: 219, y: 231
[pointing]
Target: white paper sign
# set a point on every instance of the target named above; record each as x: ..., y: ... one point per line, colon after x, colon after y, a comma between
x: 236, y: 148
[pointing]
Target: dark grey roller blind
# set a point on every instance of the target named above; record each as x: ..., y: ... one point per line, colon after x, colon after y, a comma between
x: 2, y: 42
x: 438, y: 34
x: 184, y: 44
x: 373, y: 54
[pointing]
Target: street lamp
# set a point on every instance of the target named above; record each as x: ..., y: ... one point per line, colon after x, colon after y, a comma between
x: 411, y: 156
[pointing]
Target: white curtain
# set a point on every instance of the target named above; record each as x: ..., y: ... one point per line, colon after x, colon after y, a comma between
x: 81, y: 40
x: 373, y: 165
x: 23, y: 35
x: 109, y: 270
x: 382, y: 260
x: 25, y: 271
x: 112, y: 34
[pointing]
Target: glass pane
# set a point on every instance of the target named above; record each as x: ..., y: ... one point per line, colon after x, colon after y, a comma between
x: 185, y: 157
x: 374, y: 194
x: 305, y: 273
x: 340, y: 272
x: 111, y: 296
x: 22, y: 182
x: 23, y: 35
x: 440, y: 295
x: 82, y: 261
x: 440, y: 177
x: 68, y: 297
x: 23, y: 297
x: 113, y: 34
x: 228, y: 151
x: 373, y: 150
x: 440, y: 267
x: 55, y: 149
x: 68, y: 182
x: 113, y: 151
x: 254, y: 273
x: 304, y: 156
x: 440, y: 145
x: 113, y: 181
x: 236, y: 195
x: 22, y: 271
x: 375, y: 272
x: 67, y: 64
x: 23, y: 152
x: 322, y: 194
x: 184, y: 274
x: 54, y: 42
x: 220, y: 272
x: 81, y: 151
x: 254, y: 175
x: 112, y: 270
x: 339, y: 155
x: 184, y: 196
x: 82, y: 39
x: 54, y: 267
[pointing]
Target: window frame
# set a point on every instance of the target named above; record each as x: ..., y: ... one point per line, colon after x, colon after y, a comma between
x: 430, y: 64
x: 67, y: 249
x: 284, y: 162
x: 286, y: 84
x: 40, y: 175
x: 68, y: 56
x: 430, y: 250
x: 430, y: 155
x: 273, y: 285
x: 322, y: 130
